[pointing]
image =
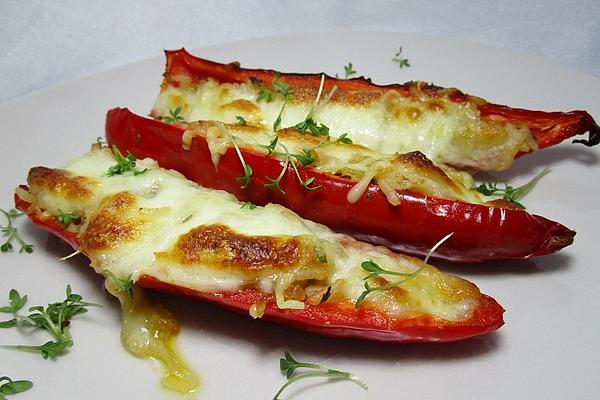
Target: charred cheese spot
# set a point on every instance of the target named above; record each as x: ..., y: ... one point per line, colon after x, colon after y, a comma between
x: 242, y: 106
x: 413, y: 171
x: 117, y: 222
x: 435, y: 105
x: 222, y: 248
x: 294, y: 135
x: 307, y: 94
x: 60, y: 182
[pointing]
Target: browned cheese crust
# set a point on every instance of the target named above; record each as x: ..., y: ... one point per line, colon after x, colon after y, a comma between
x: 221, y: 248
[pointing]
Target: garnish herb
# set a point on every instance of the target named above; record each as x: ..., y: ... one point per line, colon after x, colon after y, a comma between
x: 289, y: 365
x: 293, y: 159
x: 402, y: 62
x: 13, y: 387
x: 281, y: 87
x: 248, y: 205
x: 246, y: 180
x: 343, y: 139
x: 509, y: 193
x: 15, y: 303
x: 241, y: 120
x: 66, y: 219
x: 271, y: 147
x: 268, y: 94
x: 277, y: 122
x: 348, y: 71
x: 274, y: 182
x: 174, y: 116
x: 123, y: 284
x: 55, y: 319
x: 124, y: 164
x: 11, y: 233
x: 306, y: 158
x: 310, y: 126
x: 303, y: 159
x: 375, y: 270
x: 321, y: 256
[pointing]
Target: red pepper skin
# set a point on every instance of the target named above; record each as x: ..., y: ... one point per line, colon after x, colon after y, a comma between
x: 341, y: 320
x: 414, y: 226
x: 548, y: 128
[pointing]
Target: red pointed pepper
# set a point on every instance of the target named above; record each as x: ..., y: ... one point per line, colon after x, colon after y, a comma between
x: 327, y: 319
x: 481, y: 232
x: 548, y: 128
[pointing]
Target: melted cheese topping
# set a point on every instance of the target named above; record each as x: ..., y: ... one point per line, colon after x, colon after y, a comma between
x: 448, y: 132
x: 162, y: 225
x: 149, y: 331
x: 410, y: 171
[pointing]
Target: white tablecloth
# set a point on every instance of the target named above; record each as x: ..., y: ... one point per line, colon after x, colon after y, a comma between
x: 43, y: 43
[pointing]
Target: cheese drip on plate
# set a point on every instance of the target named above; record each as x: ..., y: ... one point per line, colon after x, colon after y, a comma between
x: 150, y: 331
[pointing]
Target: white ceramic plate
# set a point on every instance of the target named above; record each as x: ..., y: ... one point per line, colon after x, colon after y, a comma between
x: 548, y: 348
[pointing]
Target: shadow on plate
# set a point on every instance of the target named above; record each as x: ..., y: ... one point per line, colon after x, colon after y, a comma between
x: 232, y: 328
x: 550, y: 263
x: 530, y: 164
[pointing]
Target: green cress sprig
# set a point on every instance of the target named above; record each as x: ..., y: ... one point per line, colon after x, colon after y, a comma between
x: 54, y: 319
x: 124, y: 164
x: 348, y: 71
x: 66, y: 219
x: 292, y: 159
x: 246, y: 180
x: 402, y: 62
x: 509, y: 193
x: 123, y: 285
x: 13, y: 387
x: 174, y: 116
x: 375, y: 270
x: 289, y: 365
x: 248, y: 205
x: 11, y: 233
x: 268, y: 94
x: 271, y: 146
x: 241, y: 121
x: 309, y: 125
x: 15, y: 303
x: 343, y: 138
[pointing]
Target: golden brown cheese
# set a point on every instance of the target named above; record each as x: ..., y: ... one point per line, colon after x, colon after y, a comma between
x: 60, y: 182
x: 114, y: 224
x: 221, y: 247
